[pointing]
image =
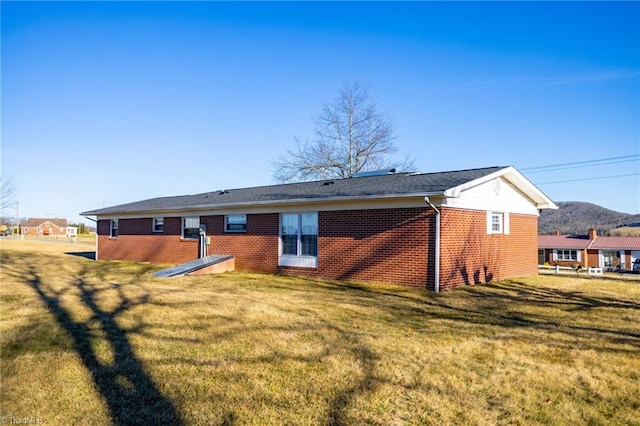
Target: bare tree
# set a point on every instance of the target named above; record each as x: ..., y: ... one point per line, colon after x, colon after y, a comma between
x: 6, y: 193
x: 351, y: 136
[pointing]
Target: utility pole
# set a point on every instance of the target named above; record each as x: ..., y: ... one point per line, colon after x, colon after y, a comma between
x: 17, y: 219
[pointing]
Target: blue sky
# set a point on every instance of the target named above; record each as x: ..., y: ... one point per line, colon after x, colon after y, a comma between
x: 105, y: 103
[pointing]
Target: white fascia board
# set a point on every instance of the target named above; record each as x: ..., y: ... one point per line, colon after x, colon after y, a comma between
x: 528, y: 188
x: 516, y: 178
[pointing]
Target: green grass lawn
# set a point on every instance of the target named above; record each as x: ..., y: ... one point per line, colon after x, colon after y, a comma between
x: 106, y: 343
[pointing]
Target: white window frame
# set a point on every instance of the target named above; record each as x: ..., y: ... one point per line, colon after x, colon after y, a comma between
x: 113, y: 228
x: 242, y: 223
x: 565, y: 255
x: 500, y: 219
x: 185, y: 220
x: 298, y: 260
x: 158, y: 224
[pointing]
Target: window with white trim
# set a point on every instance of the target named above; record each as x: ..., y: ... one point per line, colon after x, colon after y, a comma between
x: 113, y: 228
x: 573, y: 255
x: 497, y: 223
x: 299, y: 239
x: 235, y: 223
x: 158, y: 224
x: 191, y: 227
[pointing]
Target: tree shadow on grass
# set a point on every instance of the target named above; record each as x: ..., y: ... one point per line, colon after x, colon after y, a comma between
x: 129, y: 392
x: 366, y: 384
x: 506, y: 305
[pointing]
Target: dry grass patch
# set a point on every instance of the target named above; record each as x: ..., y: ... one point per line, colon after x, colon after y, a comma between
x: 109, y: 343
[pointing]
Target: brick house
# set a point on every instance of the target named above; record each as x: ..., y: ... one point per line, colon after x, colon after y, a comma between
x: 611, y: 253
x: 44, y: 227
x: 430, y: 230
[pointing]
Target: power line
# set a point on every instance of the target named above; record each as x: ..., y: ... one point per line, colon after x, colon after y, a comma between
x: 593, y: 178
x: 579, y: 166
x: 585, y: 163
x: 38, y: 210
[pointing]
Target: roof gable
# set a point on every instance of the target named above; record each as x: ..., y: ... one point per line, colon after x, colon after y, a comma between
x: 515, y: 178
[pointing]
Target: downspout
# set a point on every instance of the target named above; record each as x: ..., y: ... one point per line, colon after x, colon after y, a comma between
x: 437, y: 248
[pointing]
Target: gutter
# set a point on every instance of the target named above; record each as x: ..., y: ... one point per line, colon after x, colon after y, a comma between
x: 437, y: 248
x: 110, y: 211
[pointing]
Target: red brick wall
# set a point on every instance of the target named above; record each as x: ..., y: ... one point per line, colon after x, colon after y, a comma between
x: 368, y: 245
x: 471, y: 256
x: 255, y: 250
x: 385, y: 245
x: 137, y: 242
x: 627, y: 259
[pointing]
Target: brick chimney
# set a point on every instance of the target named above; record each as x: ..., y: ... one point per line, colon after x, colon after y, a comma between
x: 593, y: 234
x: 556, y: 232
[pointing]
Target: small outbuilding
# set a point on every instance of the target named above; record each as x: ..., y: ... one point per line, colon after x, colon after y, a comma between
x: 430, y: 230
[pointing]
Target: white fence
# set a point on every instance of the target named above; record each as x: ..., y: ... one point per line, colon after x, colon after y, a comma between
x: 557, y: 269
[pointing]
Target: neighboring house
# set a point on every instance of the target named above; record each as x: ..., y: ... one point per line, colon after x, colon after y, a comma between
x: 44, y: 227
x: 433, y: 230
x: 590, y: 250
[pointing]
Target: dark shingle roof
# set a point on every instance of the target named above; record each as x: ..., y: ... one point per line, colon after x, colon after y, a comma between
x: 359, y: 187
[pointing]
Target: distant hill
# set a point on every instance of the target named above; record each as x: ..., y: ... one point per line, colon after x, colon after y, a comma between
x: 575, y: 218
